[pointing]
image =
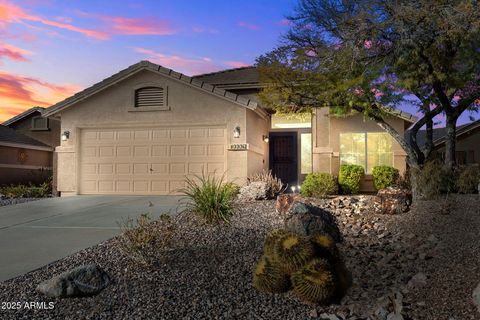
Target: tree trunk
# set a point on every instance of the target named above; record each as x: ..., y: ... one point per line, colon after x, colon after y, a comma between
x: 450, y: 140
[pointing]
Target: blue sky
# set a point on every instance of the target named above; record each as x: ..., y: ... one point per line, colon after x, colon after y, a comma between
x: 50, y: 49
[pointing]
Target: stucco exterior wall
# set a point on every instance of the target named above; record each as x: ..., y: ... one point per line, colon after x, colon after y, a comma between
x: 326, y: 144
x: 50, y: 137
x: 188, y: 106
x: 257, y: 128
x: 32, y: 166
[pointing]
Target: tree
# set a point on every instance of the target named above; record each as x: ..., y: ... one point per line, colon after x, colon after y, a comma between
x: 364, y: 55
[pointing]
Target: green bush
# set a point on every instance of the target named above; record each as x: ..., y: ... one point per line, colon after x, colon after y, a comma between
x: 384, y: 176
x: 27, y: 191
x: 468, y: 179
x: 319, y: 185
x: 209, y: 197
x: 349, y: 178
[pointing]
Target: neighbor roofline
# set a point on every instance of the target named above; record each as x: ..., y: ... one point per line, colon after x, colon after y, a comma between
x: 22, y: 115
x: 147, y: 65
x: 465, y: 129
x: 25, y: 146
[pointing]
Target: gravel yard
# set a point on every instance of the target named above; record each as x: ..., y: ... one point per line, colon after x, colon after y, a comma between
x: 211, y: 277
x: 12, y: 201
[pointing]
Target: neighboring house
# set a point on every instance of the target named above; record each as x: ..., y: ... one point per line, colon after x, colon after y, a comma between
x: 31, y: 123
x: 46, y: 130
x: 23, y: 159
x: 467, y: 144
x: 143, y: 129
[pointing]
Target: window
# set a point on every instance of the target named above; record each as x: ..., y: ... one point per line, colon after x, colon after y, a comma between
x: 291, y: 121
x: 366, y: 149
x: 149, y: 97
x: 306, y: 153
x: 39, y: 123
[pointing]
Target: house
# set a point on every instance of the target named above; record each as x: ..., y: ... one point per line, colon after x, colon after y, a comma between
x: 31, y: 123
x: 467, y: 143
x: 143, y: 129
x: 23, y: 159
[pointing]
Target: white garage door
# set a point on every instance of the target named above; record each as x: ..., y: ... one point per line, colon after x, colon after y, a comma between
x: 148, y: 161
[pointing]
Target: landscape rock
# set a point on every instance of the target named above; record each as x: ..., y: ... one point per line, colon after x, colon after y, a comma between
x: 83, y: 281
x: 306, y: 219
x: 257, y: 190
x: 392, y: 201
x: 418, y: 281
x: 284, y: 202
x: 476, y: 297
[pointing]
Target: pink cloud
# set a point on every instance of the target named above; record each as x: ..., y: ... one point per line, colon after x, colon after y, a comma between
x: 12, y: 52
x: 10, y: 13
x: 18, y: 93
x: 236, y: 64
x: 249, y: 26
x: 189, y: 66
x: 284, y: 23
x: 134, y: 26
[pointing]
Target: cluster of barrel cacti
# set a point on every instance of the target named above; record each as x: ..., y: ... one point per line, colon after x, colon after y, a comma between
x: 311, y: 266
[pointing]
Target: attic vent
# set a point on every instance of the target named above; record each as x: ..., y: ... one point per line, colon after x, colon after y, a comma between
x: 149, y: 97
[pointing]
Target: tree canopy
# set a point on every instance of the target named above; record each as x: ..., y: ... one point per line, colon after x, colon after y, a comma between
x: 364, y: 54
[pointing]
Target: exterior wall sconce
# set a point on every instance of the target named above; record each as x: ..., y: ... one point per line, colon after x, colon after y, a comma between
x: 265, y: 139
x: 65, y: 135
x: 236, y: 132
x: 296, y: 188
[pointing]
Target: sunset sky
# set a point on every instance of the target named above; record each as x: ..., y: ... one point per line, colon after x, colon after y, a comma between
x: 51, y: 49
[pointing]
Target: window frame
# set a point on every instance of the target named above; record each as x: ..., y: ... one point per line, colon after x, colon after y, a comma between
x: 365, y: 137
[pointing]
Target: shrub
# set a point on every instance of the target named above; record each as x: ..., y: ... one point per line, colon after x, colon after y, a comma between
x: 319, y: 185
x: 27, y: 191
x: 384, y: 176
x: 209, y: 197
x: 145, y: 241
x: 468, y: 179
x: 274, y: 184
x: 349, y: 178
x: 431, y: 180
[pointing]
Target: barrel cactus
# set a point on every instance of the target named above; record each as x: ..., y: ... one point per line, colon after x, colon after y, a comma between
x: 269, y: 276
x: 315, y: 282
x: 270, y: 240
x: 325, y: 245
x: 293, y: 251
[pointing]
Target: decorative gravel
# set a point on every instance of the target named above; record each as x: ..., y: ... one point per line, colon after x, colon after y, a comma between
x: 12, y: 201
x: 211, y: 277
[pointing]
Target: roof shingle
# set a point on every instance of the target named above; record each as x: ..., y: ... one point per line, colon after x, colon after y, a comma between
x: 8, y: 135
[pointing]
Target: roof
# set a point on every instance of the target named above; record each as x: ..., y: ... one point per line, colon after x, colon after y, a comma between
x: 245, y: 77
x: 11, y: 137
x: 439, y: 134
x: 23, y: 115
x: 147, y: 65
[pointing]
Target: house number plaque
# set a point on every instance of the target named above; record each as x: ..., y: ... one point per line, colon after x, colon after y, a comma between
x: 238, y: 147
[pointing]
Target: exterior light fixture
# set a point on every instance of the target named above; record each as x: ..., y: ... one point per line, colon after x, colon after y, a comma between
x: 299, y: 187
x: 265, y: 139
x: 65, y: 135
x: 236, y: 132
x: 293, y: 189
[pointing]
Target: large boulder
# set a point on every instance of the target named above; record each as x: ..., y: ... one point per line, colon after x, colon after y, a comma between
x: 392, y: 201
x: 257, y: 190
x: 83, y: 281
x: 306, y: 219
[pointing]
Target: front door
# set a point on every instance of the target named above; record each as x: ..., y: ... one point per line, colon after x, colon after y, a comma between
x: 283, y: 156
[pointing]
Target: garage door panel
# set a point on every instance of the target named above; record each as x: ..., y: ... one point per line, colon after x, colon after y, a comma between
x: 148, y: 161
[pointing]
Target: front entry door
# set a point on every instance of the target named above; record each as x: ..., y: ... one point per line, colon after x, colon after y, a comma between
x: 283, y: 156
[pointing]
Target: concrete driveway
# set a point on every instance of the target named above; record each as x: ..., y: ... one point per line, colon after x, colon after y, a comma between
x: 36, y: 233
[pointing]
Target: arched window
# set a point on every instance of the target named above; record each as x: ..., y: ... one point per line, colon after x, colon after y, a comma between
x: 150, y: 97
